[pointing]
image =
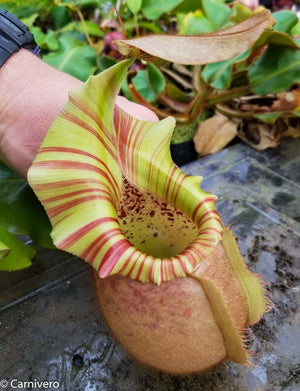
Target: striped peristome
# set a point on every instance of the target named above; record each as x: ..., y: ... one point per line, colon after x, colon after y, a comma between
x: 113, y: 194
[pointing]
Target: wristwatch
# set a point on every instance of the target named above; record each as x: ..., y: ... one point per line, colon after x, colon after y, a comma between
x: 14, y: 35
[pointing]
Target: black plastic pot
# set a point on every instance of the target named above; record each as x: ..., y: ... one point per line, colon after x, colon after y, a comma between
x: 183, y: 153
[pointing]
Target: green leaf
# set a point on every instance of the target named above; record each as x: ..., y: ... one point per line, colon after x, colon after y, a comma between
x: 155, y: 78
x: 196, y: 23
x: 134, y: 5
x: 140, y: 81
x: 187, y: 6
x: 91, y: 28
x: 176, y: 93
x: 286, y: 20
x: 48, y: 41
x: 297, y: 112
x: 276, y: 70
x: 126, y: 91
x: 20, y: 254
x: 271, y: 118
x: 240, y: 13
x: 276, y: 38
x: 129, y: 25
x: 153, y: 9
x: 202, y: 49
x: 296, y: 29
x: 105, y: 62
x: 4, y: 250
x: 19, y: 9
x: 90, y: 3
x: 216, y: 12
x: 219, y: 74
x: 20, y: 211
x: 67, y: 3
x: 60, y: 17
x: 29, y: 20
x: 73, y: 57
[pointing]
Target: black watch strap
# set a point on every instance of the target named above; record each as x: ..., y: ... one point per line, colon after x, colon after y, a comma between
x: 14, y: 35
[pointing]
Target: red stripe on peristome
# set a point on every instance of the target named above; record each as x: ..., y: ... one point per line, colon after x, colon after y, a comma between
x: 166, y: 270
x: 60, y: 220
x: 66, y: 164
x: 82, y: 153
x: 70, y: 240
x: 150, y: 271
x: 208, y: 213
x: 142, y: 265
x: 126, y: 126
x: 178, y: 185
x: 154, y: 158
x: 215, y: 218
x: 74, y: 151
x: 126, y: 263
x: 141, y: 262
x: 73, y: 194
x: 85, y: 108
x: 206, y: 200
x: 137, y: 261
x: 207, y: 239
x: 121, y: 135
x: 95, y: 116
x: 67, y: 184
x: 161, y: 271
x: 103, y: 140
x: 182, y: 265
x: 207, y: 230
x: 167, y: 188
x: 136, y: 146
x: 171, y: 267
x: 206, y: 245
x: 56, y: 210
x: 190, y: 253
x: 111, y: 257
x: 92, y: 250
x: 153, y: 164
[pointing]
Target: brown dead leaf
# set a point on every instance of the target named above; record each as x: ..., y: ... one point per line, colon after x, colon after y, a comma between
x: 214, y: 134
x: 293, y: 129
x: 286, y: 101
x: 179, y: 79
x: 260, y: 135
x: 254, y: 103
x: 199, y: 49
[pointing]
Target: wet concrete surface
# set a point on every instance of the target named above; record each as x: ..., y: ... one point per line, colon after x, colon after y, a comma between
x: 51, y: 328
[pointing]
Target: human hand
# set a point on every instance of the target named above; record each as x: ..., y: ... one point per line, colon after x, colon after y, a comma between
x: 31, y: 95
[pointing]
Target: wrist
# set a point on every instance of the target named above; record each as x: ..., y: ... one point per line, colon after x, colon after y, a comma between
x: 16, y: 75
x: 31, y: 95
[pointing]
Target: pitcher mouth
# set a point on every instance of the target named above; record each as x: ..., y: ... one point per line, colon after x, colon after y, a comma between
x: 160, y: 241
x: 153, y: 226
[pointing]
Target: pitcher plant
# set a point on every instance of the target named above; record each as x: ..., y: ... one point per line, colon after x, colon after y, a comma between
x: 170, y: 280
